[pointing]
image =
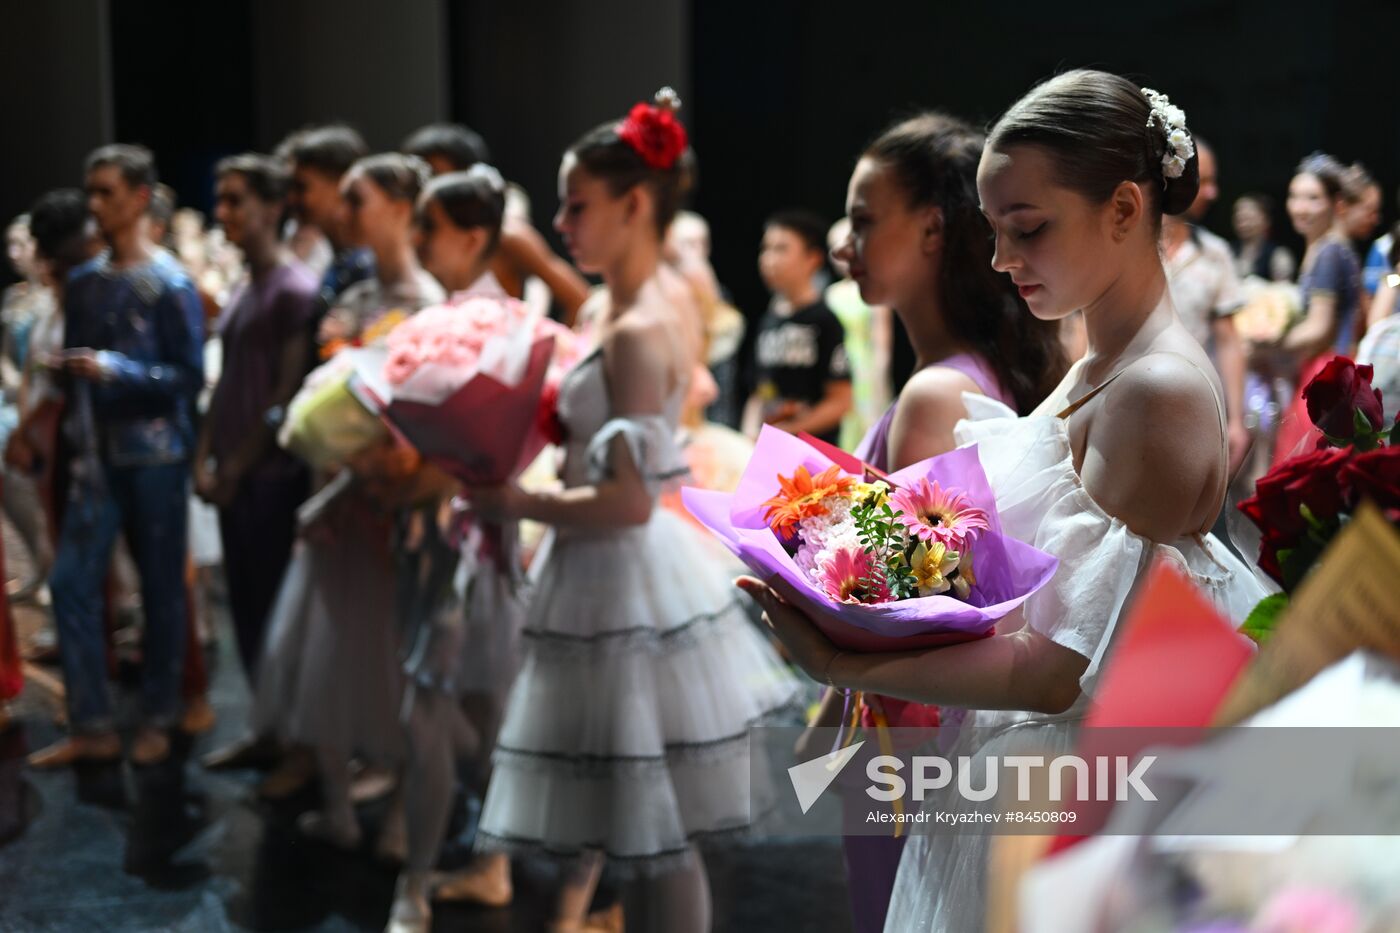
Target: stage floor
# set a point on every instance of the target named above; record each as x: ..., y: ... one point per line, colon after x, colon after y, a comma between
x: 176, y: 848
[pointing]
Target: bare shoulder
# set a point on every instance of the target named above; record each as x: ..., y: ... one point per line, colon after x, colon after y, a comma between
x: 937, y: 386
x: 1166, y: 384
x: 1154, y: 450
x: 930, y: 406
x: 636, y: 359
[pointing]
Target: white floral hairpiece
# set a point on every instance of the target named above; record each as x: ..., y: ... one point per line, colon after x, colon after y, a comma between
x: 1180, y: 147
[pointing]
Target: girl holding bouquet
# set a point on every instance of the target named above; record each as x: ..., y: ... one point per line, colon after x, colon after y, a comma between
x: 330, y: 677
x: 1124, y: 462
x: 625, y: 735
x: 918, y: 243
x: 453, y: 669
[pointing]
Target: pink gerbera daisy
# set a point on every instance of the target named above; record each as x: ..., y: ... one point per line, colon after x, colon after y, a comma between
x: 932, y: 513
x: 847, y: 576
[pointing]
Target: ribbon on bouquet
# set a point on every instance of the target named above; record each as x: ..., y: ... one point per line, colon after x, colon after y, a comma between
x: 855, y: 702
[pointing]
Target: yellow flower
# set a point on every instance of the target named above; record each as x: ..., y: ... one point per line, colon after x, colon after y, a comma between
x: 965, y: 566
x: 931, y: 564
x: 876, y: 493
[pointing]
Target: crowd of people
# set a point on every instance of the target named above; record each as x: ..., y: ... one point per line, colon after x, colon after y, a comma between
x: 1056, y: 268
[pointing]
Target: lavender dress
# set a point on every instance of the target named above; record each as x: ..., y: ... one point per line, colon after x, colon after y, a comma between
x: 872, y: 861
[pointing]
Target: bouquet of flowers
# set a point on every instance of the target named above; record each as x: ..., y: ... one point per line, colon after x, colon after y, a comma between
x: 465, y: 384
x: 326, y: 423
x: 1270, y: 311
x: 1301, y: 504
x: 913, y: 559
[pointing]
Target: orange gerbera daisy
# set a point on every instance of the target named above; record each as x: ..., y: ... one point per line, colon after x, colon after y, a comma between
x: 802, y: 496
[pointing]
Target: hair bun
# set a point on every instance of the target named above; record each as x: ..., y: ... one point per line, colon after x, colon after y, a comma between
x: 1178, y: 194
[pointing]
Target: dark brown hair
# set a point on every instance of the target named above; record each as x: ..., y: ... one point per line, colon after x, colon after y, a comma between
x: 266, y: 177
x: 1326, y: 170
x: 401, y: 177
x: 1095, y: 127
x: 329, y: 149
x: 603, y: 154
x: 136, y: 164
x: 460, y: 145
x: 934, y: 159
x: 472, y: 199
x: 1356, y: 178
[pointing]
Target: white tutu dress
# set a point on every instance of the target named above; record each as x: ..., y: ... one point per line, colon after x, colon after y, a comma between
x: 625, y: 731
x: 942, y: 880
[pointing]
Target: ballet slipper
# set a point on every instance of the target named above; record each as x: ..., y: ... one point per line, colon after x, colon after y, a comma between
x: 477, y: 883
x: 198, y: 717
x: 372, y: 783
x: 608, y: 920
x: 411, y: 912
x: 66, y: 752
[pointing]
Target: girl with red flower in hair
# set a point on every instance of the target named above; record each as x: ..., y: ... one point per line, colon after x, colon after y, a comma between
x: 625, y: 736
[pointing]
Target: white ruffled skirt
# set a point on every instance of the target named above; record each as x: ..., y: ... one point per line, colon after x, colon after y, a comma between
x: 626, y: 730
x: 331, y: 672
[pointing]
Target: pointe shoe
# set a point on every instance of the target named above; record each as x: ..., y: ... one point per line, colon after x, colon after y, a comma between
x: 150, y: 747
x: 67, y: 752
x: 486, y: 886
x: 411, y: 912
x: 602, y: 921
x: 316, y: 825
x: 372, y: 783
x: 198, y: 717
x: 608, y: 920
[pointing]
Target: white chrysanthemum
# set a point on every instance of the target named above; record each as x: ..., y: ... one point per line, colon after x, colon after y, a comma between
x: 823, y: 535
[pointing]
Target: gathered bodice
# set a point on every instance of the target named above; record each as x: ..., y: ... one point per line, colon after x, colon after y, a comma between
x: 586, y: 412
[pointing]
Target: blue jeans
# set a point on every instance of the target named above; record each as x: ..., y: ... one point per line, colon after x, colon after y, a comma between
x: 148, y: 503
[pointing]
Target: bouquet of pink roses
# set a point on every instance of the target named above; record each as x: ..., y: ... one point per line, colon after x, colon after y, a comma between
x: 465, y: 382
x: 913, y: 559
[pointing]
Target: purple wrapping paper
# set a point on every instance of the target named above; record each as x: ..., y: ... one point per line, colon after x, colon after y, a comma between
x: 1007, y: 570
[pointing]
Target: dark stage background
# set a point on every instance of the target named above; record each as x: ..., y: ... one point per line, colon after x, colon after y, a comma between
x: 780, y: 94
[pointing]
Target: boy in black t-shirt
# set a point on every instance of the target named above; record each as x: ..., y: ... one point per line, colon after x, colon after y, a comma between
x: 804, y: 382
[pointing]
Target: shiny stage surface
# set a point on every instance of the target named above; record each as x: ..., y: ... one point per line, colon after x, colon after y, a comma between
x: 176, y: 848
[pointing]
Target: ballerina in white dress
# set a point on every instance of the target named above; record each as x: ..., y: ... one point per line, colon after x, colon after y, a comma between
x: 625, y: 737
x: 1124, y: 463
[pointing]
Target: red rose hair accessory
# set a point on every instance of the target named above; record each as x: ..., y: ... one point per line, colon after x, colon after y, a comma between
x: 653, y: 131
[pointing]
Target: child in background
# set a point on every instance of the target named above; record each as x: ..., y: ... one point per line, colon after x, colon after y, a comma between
x: 804, y: 381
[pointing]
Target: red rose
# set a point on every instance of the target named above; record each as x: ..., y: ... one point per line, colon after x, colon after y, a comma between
x: 1310, y: 480
x: 1337, y: 393
x: 1374, y: 475
x: 655, y: 133
x: 547, y: 420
